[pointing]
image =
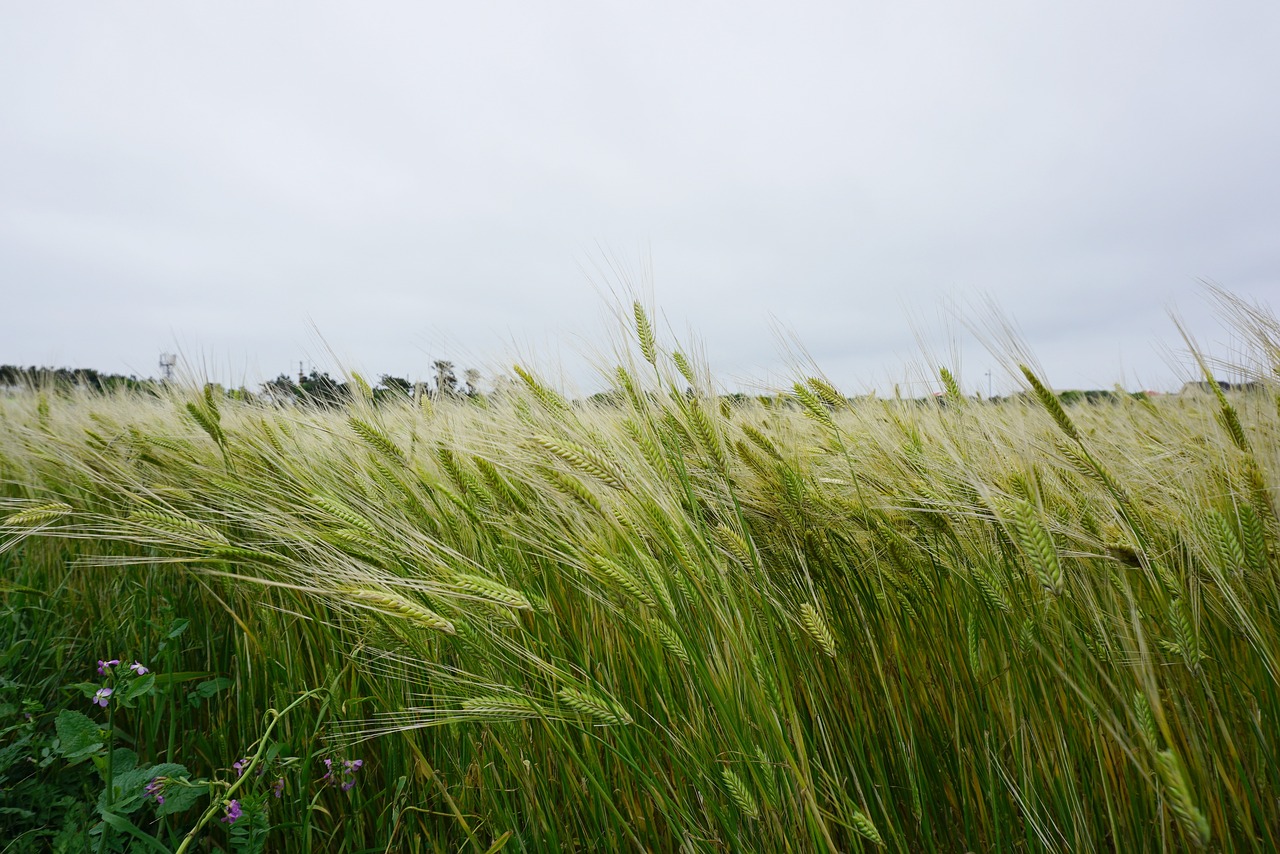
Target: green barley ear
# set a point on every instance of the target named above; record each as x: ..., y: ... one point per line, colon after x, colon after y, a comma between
x: 992, y: 590
x: 976, y: 663
x: 548, y: 398
x: 1051, y: 403
x: 378, y: 441
x: 627, y: 384
x: 739, y: 793
x: 734, y: 543
x: 827, y: 392
x: 591, y: 705
x: 863, y: 824
x: 951, y: 386
x: 1180, y: 799
x: 346, y: 514
x: 1227, y: 415
x: 761, y: 441
x: 610, y: 570
x: 211, y: 400
x: 398, y: 606
x: 584, y: 460
x: 38, y: 515
x: 487, y: 588
x: 767, y: 775
x: 644, y: 332
x: 1184, y: 632
x: 571, y: 487
x: 1222, y: 534
x: 765, y: 680
x: 817, y: 629
x: 814, y: 406
x: 1255, y: 538
x: 1146, y: 720
x: 1038, y: 545
x: 207, y: 419
x: 501, y: 706
x: 671, y: 641
x: 707, y: 435
x: 180, y: 525
x: 683, y: 366
x: 362, y: 387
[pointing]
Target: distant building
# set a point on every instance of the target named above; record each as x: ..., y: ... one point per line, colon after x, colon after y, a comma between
x: 1206, y: 387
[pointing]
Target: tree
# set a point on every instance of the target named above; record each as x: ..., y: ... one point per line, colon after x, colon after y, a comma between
x: 393, y: 387
x: 446, y: 379
x: 473, y: 381
x: 323, y: 390
x: 282, y: 389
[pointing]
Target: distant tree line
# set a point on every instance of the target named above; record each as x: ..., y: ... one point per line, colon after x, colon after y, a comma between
x: 319, y: 389
x: 16, y: 376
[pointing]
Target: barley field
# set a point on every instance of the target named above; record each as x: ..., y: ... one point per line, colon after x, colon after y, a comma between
x: 662, y: 620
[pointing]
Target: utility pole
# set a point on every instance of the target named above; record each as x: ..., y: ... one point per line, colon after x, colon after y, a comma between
x: 988, y: 383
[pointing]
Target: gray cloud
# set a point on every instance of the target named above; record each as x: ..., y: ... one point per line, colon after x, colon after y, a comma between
x: 439, y: 181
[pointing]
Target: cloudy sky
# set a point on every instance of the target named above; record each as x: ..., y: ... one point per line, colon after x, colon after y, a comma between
x: 257, y: 183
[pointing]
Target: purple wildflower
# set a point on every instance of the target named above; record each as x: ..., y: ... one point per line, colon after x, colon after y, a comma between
x: 104, y: 666
x: 328, y: 776
x: 233, y: 812
x: 102, y: 696
x: 277, y: 788
x: 349, y: 785
x: 139, y: 669
x: 240, y: 766
x: 155, y: 789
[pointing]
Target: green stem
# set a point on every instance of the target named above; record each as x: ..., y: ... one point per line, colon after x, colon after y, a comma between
x: 218, y: 803
x: 111, y: 753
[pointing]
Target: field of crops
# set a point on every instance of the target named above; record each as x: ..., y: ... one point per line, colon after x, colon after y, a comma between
x: 668, y: 621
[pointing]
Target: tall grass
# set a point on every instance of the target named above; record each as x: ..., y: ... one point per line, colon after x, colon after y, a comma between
x: 674, y: 623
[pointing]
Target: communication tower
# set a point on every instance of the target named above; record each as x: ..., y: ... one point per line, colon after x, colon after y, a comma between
x: 167, y: 361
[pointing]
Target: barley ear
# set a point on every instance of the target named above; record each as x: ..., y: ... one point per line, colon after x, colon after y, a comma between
x: 951, y: 386
x: 38, y: 515
x: 593, y: 706
x: 739, y: 792
x: 1180, y: 800
x: 814, y: 406
x: 863, y: 824
x: 1050, y: 402
x: 683, y: 366
x: 644, y: 332
x: 398, y: 606
x: 817, y: 629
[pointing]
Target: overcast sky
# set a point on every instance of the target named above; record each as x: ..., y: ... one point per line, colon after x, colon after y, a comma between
x: 249, y: 182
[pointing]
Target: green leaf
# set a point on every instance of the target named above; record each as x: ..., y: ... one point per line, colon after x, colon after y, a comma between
x: 79, y: 737
x: 129, y: 789
x: 207, y: 689
x: 140, y: 688
x: 178, y: 626
x: 181, y: 795
x: 122, y: 824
